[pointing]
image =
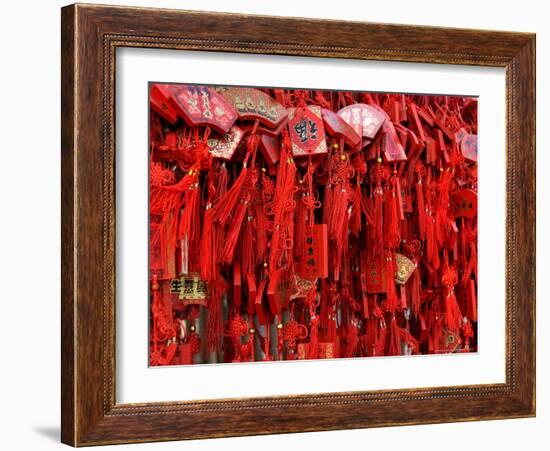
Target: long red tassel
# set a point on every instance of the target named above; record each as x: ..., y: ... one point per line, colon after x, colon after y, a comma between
x: 380, y: 348
x: 391, y: 300
x: 207, y: 253
x: 214, y: 336
x: 421, y: 210
x: 357, y: 208
x: 284, y: 193
x: 453, y: 316
x: 226, y: 204
x: 391, y: 219
x: 378, y: 215
x: 234, y: 232
x: 414, y: 288
x: 248, y: 244
x: 313, y: 338
x: 394, y: 345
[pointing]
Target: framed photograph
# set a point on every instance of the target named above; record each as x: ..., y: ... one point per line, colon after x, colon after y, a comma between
x: 268, y: 230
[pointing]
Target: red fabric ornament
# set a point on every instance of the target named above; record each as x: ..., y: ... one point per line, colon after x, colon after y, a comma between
x: 300, y: 224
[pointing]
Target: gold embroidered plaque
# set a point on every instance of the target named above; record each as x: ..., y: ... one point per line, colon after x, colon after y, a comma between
x: 405, y: 267
x: 190, y: 288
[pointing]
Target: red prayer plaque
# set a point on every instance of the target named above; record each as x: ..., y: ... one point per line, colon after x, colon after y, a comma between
x: 338, y: 127
x: 314, y: 263
x: 200, y: 105
x: 468, y: 146
x: 364, y: 119
x: 252, y: 104
x: 391, y: 146
x: 225, y: 146
x: 307, y: 131
x: 376, y: 275
x: 162, y: 106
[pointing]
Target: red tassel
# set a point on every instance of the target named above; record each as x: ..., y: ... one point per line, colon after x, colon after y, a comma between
x: 391, y: 220
x: 261, y: 222
x: 226, y: 204
x: 247, y: 247
x: 421, y: 211
x: 391, y: 300
x: 300, y: 229
x: 339, y: 211
x: 472, y: 300
x: 283, y: 212
x: 357, y: 208
x: 214, y: 335
x: 414, y: 288
x: 453, y: 316
x: 234, y: 232
x: 338, y: 225
x: 223, y: 180
x: 380, y: 349
x: 207, y: 257
x: 313, y: 338
x: 352, y: 341
x: 189, y: 232
x: 327, y: 204
x: 394, y: 345
x: 378, y: 215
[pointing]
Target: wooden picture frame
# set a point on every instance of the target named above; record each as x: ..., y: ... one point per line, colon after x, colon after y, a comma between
x: 90, y: 37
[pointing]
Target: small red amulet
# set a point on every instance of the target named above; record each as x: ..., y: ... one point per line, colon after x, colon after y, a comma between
x: 465, y: 204
x: 468, y: 147
x: 307, y: 131
x: 376, y: 275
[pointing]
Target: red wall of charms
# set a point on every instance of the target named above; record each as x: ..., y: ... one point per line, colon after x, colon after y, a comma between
x: 296, y: 224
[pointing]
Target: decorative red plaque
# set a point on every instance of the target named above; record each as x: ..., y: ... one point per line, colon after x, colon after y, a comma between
x: 307, y: 131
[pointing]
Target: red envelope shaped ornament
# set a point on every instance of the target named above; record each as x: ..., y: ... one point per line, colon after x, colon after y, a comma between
x: 252, y: 104
x: 224, y: 147
x: 200, y: 105
x: 364, y: 119
x: 314, y: 263
x: 468, y: 146
x: 375, y: 273
x: 307, y: 131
